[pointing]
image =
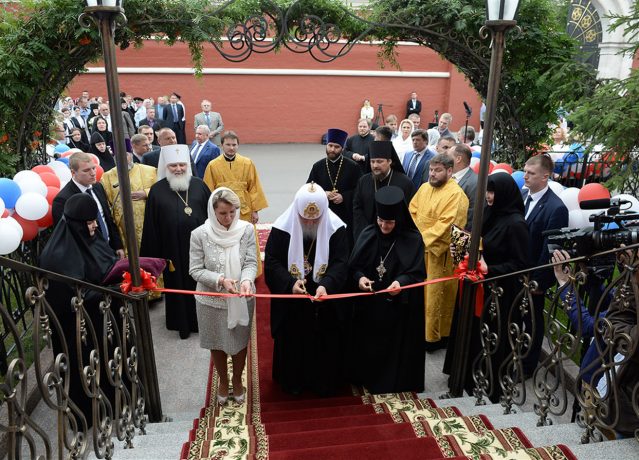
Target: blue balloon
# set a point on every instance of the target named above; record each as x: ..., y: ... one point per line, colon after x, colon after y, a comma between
x: 519, y: 178
x: 64, y: 160
x: 61, y: 148
x: 9, y: 192
x: 477, y: 155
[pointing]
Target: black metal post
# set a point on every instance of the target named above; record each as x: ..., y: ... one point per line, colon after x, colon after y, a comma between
x: 461, y: 363
x: 106, y: 17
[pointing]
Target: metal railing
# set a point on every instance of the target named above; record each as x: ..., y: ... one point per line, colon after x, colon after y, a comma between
x: 607, y: 389
x: 97, y: 359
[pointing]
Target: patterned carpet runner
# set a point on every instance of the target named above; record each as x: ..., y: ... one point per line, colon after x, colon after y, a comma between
x: 352, y: 426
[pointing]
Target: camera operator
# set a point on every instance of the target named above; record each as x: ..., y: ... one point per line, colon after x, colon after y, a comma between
x: 623, y: 321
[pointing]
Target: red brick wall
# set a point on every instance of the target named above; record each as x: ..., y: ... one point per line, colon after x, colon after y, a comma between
x: 286, y: 108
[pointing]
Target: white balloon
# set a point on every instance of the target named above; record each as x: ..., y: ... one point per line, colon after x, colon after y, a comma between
x: 25, y: 175
x: 11, y: 221
x: 1, y: 206
x: 555, y: 187
x: 570, y: 197
x: 32, y: 206
x: 591, y: 212
x: 634, y: 207
x: 61, y: 170
x: 9, y: 237
x: 33, y: 186
x: 576, y: 219
x: 497, y: 171
x: 474, y: 161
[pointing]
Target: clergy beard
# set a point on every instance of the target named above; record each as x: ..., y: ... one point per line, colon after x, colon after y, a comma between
x: 179, y: 183
x: 309, y: 229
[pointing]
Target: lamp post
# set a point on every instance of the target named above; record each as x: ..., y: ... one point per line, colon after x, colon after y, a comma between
x: 500, y: 17
x: 105, y: 14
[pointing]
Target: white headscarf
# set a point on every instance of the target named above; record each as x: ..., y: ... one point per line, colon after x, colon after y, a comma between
x: 229, y: 240
x: 174, y: 153
x: 311, y: 203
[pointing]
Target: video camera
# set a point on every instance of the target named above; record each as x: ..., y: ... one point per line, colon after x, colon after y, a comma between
x: 590, y: 240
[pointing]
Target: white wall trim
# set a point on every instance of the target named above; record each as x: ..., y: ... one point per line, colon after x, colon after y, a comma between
x: 287, y: 72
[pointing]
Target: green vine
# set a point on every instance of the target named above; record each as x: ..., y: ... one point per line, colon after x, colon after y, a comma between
x: 42, y: 48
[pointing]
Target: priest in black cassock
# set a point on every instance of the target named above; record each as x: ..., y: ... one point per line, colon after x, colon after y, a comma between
x: 307, y: 252
x: 176, y: 205
x: 386, y: 169
x: 387, y: 350
x: 338, y: 176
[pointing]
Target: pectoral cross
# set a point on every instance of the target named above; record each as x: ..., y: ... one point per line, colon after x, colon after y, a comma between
x: 381, y: 270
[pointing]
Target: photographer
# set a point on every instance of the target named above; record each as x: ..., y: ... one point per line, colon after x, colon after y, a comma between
x: 622, y: 317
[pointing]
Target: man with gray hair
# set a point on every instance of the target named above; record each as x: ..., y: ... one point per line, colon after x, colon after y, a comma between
x: 176, y: 205
x: 436, y: 207
x: 203, y: 151
x: 212, y: 120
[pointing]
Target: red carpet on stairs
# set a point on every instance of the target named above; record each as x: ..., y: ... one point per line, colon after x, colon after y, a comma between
x: 351, y: 426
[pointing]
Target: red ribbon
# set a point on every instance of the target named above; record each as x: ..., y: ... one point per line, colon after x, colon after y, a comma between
x: 148, y: 283
x: 463, y: 273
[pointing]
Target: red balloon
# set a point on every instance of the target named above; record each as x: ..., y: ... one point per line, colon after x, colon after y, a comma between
x: 95, y: 159
x: 50, y: 179
x: 98, y: 173
x: 475, y: 167
x: 43, y: 169
x: 5, y: 213
x: 68, y: 153
x: 51, y: 193
x: 47, y: 220
x: 29, y: 227
x: 593, y: 191
x: 505, y: 166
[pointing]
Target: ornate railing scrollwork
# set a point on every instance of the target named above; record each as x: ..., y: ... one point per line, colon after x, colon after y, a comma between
x: 490, y: 334
x: 93, y: 337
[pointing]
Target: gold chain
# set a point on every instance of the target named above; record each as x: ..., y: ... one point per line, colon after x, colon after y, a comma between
x: 187, y: 209
x: 389, y: 180
x: 339, y: 168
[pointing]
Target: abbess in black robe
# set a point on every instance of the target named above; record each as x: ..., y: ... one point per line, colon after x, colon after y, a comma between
x: 308, y: 349
x: 167, y: 235
x: 73, y: 252
x: 386, y: 350
x: 344, y: 175
x: 364, y: 199
x: 505, y: 242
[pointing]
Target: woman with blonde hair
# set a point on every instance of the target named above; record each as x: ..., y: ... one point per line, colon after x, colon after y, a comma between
x: 403, y: 143
x: 223, y: 259
x: 367, y: 110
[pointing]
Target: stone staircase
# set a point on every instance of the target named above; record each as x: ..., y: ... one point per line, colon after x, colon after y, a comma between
x: 165, y: 440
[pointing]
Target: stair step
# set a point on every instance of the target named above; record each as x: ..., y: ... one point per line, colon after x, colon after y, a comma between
x: 621, y: 449
x: 151, y: 447
x: 524, y: 420
x: 565, y: 433
x: 169, y: 427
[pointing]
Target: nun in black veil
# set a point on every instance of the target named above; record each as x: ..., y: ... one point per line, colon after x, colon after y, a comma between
x: 505, y: 242
x: 387, y: 338
x: 77, y: 250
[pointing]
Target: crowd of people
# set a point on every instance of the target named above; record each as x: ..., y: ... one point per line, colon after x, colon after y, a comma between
x: 375, y: 214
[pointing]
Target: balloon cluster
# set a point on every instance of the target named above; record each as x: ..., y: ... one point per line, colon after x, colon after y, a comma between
x: 25, y: 202
x: 580, y: 218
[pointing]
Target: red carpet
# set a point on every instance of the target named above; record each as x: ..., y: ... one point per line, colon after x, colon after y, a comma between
x: 351, y: 426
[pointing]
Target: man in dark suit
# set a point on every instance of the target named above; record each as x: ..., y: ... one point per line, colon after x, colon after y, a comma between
x: 413, y: 105
x: 202, y: 150
x: 166, y: 136
x: 83, y: 180
x: 152, y: 122
x: 174, y: 118
x: 140, y: 146
x: 417, y: 163
x: 465, y: 177
x: 544, y: 211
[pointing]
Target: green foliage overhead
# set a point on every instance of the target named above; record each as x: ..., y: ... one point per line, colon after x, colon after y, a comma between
x: 42, y: 48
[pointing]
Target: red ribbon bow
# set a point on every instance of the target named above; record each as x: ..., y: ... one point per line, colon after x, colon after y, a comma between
x: 148, y: 282
x: 464, y: 273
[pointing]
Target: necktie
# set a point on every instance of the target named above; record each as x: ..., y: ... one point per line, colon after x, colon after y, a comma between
x: 413, y: 165
x: 208, y: 120
x: 196, y: 152
x: 175, y: 115
x: 527, y: 205
x: 103, y: 228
